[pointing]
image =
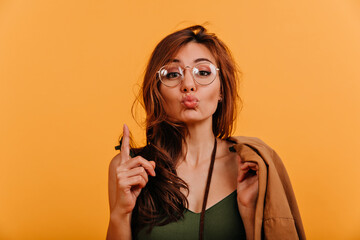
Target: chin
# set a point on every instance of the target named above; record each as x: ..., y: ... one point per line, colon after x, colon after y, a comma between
x: 195, y: 119
x: 191, y: 116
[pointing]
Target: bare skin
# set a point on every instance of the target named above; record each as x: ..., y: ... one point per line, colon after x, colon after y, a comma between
x: 127, y: 178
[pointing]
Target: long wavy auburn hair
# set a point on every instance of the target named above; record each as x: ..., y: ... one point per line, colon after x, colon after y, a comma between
x: 162, y: 200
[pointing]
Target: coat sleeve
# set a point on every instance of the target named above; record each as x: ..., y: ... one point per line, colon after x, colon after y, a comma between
x: 290, y: 195
x: 277, y: 215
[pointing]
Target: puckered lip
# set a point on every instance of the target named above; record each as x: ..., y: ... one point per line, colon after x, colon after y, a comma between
x: 190, y: 101
x: 189, y: 98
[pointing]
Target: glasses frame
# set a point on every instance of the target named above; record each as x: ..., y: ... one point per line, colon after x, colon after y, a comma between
x: 192, y: 73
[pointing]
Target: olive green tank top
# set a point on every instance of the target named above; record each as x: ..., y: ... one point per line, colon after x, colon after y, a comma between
x: 222, y: 221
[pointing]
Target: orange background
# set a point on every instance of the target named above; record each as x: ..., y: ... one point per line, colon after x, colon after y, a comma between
x: 69, y: 71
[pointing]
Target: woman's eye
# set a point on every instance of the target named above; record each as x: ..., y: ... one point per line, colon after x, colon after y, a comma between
x: 204, y: 73
x: 173, y: 75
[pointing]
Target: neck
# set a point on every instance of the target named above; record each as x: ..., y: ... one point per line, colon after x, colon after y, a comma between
x: 199, y: 143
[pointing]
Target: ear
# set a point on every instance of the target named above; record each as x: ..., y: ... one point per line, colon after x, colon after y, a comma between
x: 221, y: 93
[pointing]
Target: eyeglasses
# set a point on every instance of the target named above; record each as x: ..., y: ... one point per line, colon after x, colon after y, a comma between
x: 172, y: 74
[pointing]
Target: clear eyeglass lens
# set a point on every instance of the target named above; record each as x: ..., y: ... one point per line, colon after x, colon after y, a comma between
x: 203, y: 73
x: 171, y: 74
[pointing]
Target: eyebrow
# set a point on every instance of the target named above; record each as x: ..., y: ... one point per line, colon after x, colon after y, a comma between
x: 195, y: 61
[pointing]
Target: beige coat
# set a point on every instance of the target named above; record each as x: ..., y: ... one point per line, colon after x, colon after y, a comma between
x: 277, y: 215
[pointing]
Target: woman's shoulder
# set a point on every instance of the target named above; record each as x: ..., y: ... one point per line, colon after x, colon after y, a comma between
x: 250, y: 147
x: 235, y: 144
x: 253, y: 142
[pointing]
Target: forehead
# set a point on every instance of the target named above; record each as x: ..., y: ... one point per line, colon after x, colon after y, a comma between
x: 192, y: 52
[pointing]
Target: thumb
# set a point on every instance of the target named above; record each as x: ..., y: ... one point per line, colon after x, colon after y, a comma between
x: 153, y: 163
x: 241, y: 173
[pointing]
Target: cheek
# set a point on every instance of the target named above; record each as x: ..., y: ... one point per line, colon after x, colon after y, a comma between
x: 214, y: 93
x: 170, y: 99
x: 214, y: 104
x: 212, y: 98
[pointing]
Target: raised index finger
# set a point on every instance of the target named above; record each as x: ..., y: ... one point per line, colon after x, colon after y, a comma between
x: 125, y: 147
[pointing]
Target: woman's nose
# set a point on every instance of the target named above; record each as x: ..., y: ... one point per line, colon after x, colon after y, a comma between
x: 188, y: 82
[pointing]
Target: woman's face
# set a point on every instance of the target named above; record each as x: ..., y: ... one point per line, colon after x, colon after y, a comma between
x: 190, y: 102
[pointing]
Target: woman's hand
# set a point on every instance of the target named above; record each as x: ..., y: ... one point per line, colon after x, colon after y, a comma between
x: 247, y: 193
x: 131, y: 177
x: 127, y: 176
x: 247, y: 183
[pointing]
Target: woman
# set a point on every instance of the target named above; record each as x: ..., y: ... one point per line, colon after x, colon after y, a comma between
x: 186, y: 183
